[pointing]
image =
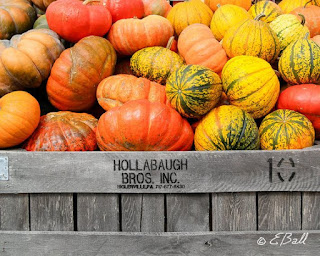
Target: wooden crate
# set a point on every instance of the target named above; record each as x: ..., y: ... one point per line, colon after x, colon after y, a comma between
x: 183, y: 203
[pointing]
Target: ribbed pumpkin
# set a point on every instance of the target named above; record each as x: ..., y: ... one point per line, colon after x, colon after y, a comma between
x: 78, y: 71
x: 316, y: 39
x: 288, y: 6
x: 157, y: 7
x: 17, y: 16
x: 312, y: 16
x: 187, y: 13
x: 116, y: 90
x: 42, y: 4
x: 123, y: 67
x: 251, y: 84
x: 141, y: 125
x: 305, y: 99
x: 41, y: 22
x: 252, y: 38
x: 26, y: 60
x: 155, y: 63
x: 300, y: 62
x: 270, y: 9
x: 19, y: 117
x: 225, y: 17
x: 130, y: 35
x: 227, y: 128
x: 213, y: 4
x: 64, y: 131
x: 288, y: 28
x: 193, y: 90
x: 197, y: 45
x: 286, y: 129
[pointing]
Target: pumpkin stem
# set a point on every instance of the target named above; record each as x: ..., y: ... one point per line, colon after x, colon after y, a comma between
x: 258, y: 17
x: 307, y: 3
x: 89, y: 1
x: 218, y: 5
x: 303, y: 19
x: 277, y: 73
x: 170, y: 42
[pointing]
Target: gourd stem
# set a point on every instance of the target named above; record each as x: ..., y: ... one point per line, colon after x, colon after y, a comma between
x: 307, y: 3
x: 170, y: 42
x: 89, y: 1
x: 258, y: 17
x: 303, y: 19
x: 218, y: 5
x: 277, y: 73
x: 306, y: 36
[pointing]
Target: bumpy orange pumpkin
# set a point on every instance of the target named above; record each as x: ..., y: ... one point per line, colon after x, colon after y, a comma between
x: 130, y: 35
x: 116, y: 90
x: 78, y: 71
x: 197, y: 45
x: 19, y: 117
x: 213, y: 4
x: 153, y: 127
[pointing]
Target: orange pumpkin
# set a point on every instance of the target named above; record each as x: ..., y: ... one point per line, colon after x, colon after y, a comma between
x: 19, y: 117
x: 116, y: 90
x: 130, y: 35
x: 78, y: 71
x: 316, y: 39
x: 42, y: 4
x: 213, y: 4
x: 153, y: 127
x: 157, y: 7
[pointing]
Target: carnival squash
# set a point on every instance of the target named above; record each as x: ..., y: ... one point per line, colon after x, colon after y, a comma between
x: 153, y: 126
x: 213, y: 4
x: 41, y: 22
x: 270, y: 9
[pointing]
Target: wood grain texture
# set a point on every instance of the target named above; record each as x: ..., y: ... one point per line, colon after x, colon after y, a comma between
x: 52, y: 212
x: 153, y: 213
x: 234, y: 212
x: 131, y: 212
x: 146, y: 244
x: 98, y: 212
x: 311, y: 211
x: 206, y: 172
x: 14, y: 212
x: 187, y: 212
x: 279, y: 211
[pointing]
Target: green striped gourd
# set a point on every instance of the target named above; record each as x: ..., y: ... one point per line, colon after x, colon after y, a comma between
x: 270, y: 9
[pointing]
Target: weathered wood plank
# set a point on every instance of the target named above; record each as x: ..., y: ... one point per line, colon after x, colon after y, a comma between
x: 98, y: 212
x: 52, y: 212
x: 131, y: 212
x: 188, y: 212
x: 279, y: 211
x: 186, y: 172
x: 311, y: 211
x: 139, y: 244
x: 234, y: 212
x: 14, y: 212
x: 153, y: 213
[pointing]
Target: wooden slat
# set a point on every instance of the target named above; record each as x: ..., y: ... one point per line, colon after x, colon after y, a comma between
x: 279, y: 211
x: 131, y: 206
x: 196, y: 172
x: 234, y: 212
x: 137, y: 244
x: 153, y: 213
x: 52, y: 212
x: 188, y: 213
x: 98, y: 212
x: 14, y: 212
x: 311, y: 211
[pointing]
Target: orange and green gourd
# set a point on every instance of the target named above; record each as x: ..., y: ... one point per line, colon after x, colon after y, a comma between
x: 270, y: 9
x: 193, y: 90
x: 189, y: 12
x: 225, y: 17
x: 251, y: 84
x: 295, y: 69
x: 288, y: 6
x: 286, y: 129
x: 252, y: 37
x: 227, y: 128
x: 155, y: 63
x: 288, y: 28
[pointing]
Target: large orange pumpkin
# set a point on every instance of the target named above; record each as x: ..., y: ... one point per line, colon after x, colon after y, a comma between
x: 26, y: 60
x: 78, y: 71
x: 197, y: 45
x: 213, y: 4
x: 116, y: 90
x: 130, y: 35
x: 19, y: 117
x: 141, y: 125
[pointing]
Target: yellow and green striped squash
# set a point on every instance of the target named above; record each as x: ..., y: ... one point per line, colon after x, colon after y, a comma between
x: 252, y: 38
x: 225, y: 17
x: 251, y: 84
x: 189, y: 12
x: 270, y: 9
x: 288, y: 28
x: 300, y: 62
x: 286, y: 129
x: 227, y: 128
x: 193, y: 90
x: 288, y: 6
x: 155, y: 63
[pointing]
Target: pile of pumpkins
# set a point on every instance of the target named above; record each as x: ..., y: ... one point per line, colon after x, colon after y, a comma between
x: 141, y: 75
